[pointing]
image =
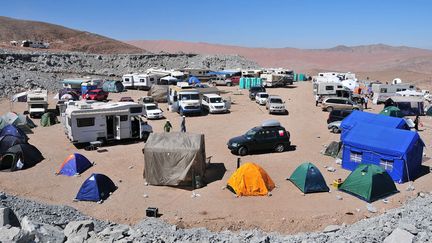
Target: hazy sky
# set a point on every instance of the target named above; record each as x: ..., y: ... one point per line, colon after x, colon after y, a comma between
x: 265, y: 23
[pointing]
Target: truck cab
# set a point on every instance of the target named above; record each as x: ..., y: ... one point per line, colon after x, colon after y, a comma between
x: 184, y: 99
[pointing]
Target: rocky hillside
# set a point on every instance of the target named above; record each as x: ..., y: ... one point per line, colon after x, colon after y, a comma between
x: 61, y: 38
x: 23, y: 220
x: 26, y: 70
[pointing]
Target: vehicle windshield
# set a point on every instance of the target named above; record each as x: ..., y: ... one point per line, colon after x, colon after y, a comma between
x: 216, y: 100
x: 189, y: 96
x: 264, y: 95
x: 276, y: 101
x: 251, y: 132
x: 151, y: 107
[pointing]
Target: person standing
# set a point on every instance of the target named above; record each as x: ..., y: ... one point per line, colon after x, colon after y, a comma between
x: 366, y: 102
x: 183, y: 124
x: 416, y: 122
x: 168, y: 126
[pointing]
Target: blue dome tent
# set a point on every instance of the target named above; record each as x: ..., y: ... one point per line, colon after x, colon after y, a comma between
x: 13, y: 131
x: 194, y: 80
x: 96, y: 188
x: 74, y: 164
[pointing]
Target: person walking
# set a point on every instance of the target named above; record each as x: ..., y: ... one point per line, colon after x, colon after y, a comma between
x: 366, y: 100
x: 183, y: 124
x: 167, y: 126
x: 416, y: 122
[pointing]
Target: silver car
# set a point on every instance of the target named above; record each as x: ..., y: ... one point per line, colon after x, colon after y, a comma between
x: 334, y: 127
x: 275, y: 104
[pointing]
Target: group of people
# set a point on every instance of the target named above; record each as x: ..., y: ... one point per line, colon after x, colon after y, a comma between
x: 364, y: 100
x: 168, y: 125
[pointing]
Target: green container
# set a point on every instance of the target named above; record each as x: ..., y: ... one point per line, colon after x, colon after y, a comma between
x: 301, y: 77
x: 242, y: 84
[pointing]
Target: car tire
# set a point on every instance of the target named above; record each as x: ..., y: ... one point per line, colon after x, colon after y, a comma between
x: 335, y: 130
x: 280, y: 148
x: 242, y: 151
x: 329, y: 109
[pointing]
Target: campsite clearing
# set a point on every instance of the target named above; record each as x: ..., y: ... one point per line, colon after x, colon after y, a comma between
x: 286, y: 211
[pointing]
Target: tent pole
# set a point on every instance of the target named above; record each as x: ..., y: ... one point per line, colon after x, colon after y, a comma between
x: 238, y: 162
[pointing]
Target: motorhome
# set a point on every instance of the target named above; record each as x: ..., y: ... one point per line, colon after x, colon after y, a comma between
x: 88, y: 121
x: 381, y: 92
x: 200, y: 73
x: 82, y: 85
x: 37, y: 102
x: 140, y: 80
x: 276, y: 80
x: 184, y: 99
x: 334, y: 77
x: 331, y: 89
x: 251, y: 73
x: 35, y: 44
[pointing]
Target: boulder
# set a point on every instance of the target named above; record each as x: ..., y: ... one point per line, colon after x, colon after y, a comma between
x: 14, y: 234
x: 42, y: 232
x: 8, y: 217
x: 399, y: 236
x: 78, y: 231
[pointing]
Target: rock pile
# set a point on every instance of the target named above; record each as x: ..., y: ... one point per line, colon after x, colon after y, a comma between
x: 21, y: 70
x: 45, y: 223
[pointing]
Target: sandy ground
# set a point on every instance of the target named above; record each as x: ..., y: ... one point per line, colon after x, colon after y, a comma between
x: 286, y: 211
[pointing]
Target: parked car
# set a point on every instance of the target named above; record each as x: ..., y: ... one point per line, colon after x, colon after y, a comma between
x: 337, y: 115
x: 255, y: 89
x: 152, y: 111
x: 146, y: 99
x: 95, y: 94
x: 275, y: 104
x: 220, y: 81
x: 270, y: 136
x: 214, y: 103
x: 261, y: 98
x: 126, y: 99
x: 334, y: 127
x: 337, y: 103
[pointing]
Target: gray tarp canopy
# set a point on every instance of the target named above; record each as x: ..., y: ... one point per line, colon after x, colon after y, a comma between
x: 172, y: 158
x: 159, y: 93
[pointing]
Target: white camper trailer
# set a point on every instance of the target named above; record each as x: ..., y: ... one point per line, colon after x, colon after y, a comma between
x: 331, y: 89
x: 37, y: 101
x: 253, y: 73
x: 381, y: 92
x: 276, y: 80
x: 139, y: 81
x: 98, y: 121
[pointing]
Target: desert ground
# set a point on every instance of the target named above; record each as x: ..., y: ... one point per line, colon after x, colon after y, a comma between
x: 287, y: 210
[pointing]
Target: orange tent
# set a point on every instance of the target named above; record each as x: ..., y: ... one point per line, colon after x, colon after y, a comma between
x: 250, y: 180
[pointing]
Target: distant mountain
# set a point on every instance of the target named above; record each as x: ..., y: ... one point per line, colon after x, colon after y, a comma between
x: 61, y: 38
x: 364, y: 59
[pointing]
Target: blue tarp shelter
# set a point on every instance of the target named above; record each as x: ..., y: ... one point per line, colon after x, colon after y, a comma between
x: 96, y: 188
x: 194, y: 80
x: 398, y: 151
x: 13, y: 131
x: 74, y: 164
x: 361, y: 117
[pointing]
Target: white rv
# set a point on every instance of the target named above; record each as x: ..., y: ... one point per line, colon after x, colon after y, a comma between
x: 381, y: 92
x: 184, y: 99
x: 139, y: 81
x: 276, y: 80
x: 98, y: 121
x: 251, y: 73
x: 37, y: 101
x: 331, y: 89
x: 201, y: 73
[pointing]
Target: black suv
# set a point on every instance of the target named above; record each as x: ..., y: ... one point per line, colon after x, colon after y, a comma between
x: 270, y: 136
x: 254, y: 90
x: 337, y: 115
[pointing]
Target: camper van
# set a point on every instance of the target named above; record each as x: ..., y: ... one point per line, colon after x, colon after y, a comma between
x: 139, y: 81
x: 276, y: 80
x: 88, y: 121
x: 331, y: 89
x: 381, y: 92
x: 184, y: 99
x: 37, y: 102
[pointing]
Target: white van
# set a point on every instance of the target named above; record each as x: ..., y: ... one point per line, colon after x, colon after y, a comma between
x: 214, y: 103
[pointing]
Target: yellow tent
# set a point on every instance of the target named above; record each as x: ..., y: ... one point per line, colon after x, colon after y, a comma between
x: 250, y: 180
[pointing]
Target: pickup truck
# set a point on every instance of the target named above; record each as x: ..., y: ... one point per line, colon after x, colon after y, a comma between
x: 220, y: 81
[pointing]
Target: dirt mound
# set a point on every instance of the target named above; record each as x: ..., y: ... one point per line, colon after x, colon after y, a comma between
x: 61, y: 38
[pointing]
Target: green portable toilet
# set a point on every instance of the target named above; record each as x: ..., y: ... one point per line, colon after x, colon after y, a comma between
x: 300, y: 77
x: 369, y: 182
x: 242, y: 83
x: 392, y: 111
x: 308, y: 179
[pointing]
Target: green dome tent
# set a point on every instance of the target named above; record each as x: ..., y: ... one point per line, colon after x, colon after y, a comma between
x: 48, y: 119
x: 392, y: 111
x: 308, y: 178
x: 369, y: 182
